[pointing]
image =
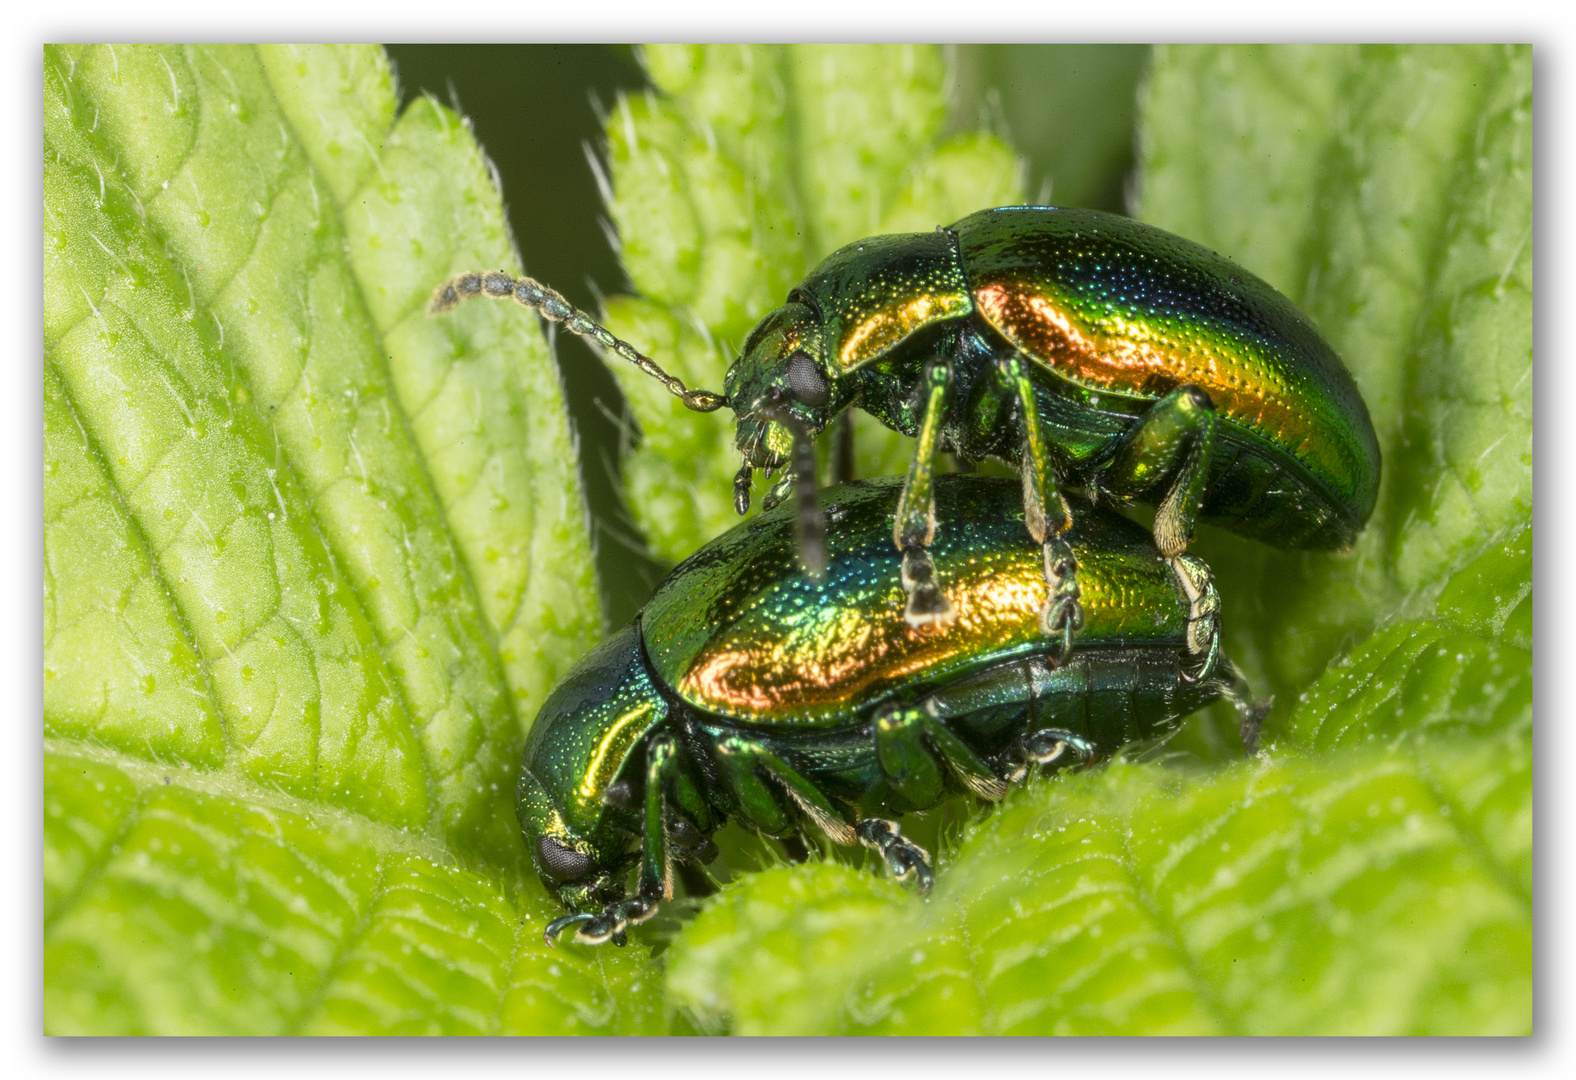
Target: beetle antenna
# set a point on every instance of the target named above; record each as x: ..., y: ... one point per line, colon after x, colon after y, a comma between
x: 809, y: 525
x: 530, y: 293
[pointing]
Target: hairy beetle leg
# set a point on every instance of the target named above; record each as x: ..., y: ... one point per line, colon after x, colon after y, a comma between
x: 1176, y: 438
x: 914, y: 522
x: 770, y: 805
x: 903, y: 857
x: 912, y: 746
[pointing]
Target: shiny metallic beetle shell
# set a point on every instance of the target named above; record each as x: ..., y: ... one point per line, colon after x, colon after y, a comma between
x: 736, y: 638
x: 1114, y: 314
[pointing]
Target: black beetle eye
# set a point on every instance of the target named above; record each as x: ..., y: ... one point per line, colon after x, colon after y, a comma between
x: 561, y: 862
x: 805, y: 380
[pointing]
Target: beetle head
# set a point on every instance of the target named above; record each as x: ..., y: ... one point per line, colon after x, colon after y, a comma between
x: 585, y: 871
x: 781, y: 370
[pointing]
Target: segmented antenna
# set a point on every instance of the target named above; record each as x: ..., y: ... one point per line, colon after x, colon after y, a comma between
x: 533, y: 294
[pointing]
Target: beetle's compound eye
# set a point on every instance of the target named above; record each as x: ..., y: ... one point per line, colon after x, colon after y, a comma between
x: 561, y: 862
x: 805, y: 381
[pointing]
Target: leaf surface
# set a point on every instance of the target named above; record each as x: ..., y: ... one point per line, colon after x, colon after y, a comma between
x: 297, y: 546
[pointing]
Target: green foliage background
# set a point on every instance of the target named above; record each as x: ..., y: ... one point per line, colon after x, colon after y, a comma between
x: 312, y: 559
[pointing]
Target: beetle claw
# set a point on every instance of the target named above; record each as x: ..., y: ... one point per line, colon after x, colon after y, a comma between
x: 1047, y: 747
x: 609, y: 924
x: 562, y: 923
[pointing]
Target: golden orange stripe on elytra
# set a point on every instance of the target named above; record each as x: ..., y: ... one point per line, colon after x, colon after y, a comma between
x: 818, y: 669
x: 1133, y: 357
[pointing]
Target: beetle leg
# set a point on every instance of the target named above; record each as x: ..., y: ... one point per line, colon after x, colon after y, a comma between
x: 1250, y: 712
x: 1203, y: 620
x: 1045, y: 747
x: 656, y: 863
x: 747, y: 763
x: 609, y: 924
x: 664, y: 775
x: 914, y: 524
x: 906, y: 761
x: 741, y: 488
x: 903, y: 857
x: 780, y: 490
x: 842, y: 463
x: 809, y: 524
x: 905, y: 737
x: 1176, y: 438
x: 1046, y: 514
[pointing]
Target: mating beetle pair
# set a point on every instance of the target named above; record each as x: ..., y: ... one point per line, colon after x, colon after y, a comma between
x: 747, y: 690
x: 1084, y: 348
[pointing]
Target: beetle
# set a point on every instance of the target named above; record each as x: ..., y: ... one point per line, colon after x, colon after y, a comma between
x: 746, y: 690
x: 1085, y: 348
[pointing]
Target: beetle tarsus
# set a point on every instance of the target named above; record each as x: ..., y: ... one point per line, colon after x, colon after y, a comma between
x: 1203, y: 623
x: 1045, y: 747
x: 1233, y: 686
x: 1062, y: 615
x: 777, y: 493
x: 904, y: 858
x: 562, y: 923
x: 927, y: 604
x: 741, y: 488
x: 1249, y: 723
x: 1250, y: 710
x: 609, y: 924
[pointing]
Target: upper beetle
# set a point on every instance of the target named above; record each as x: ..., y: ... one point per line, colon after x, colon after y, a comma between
x: 1084, y: 348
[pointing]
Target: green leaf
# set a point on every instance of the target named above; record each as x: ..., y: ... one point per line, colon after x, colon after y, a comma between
x: 1370, y: 891
x: 312, y: 559
x: 1067, y: 108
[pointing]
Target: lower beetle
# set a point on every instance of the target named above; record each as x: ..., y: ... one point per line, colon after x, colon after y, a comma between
x: 746, y: 690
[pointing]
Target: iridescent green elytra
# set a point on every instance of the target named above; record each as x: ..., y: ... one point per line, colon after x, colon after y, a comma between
x: 1084, y: 348
x: 746, y: 690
